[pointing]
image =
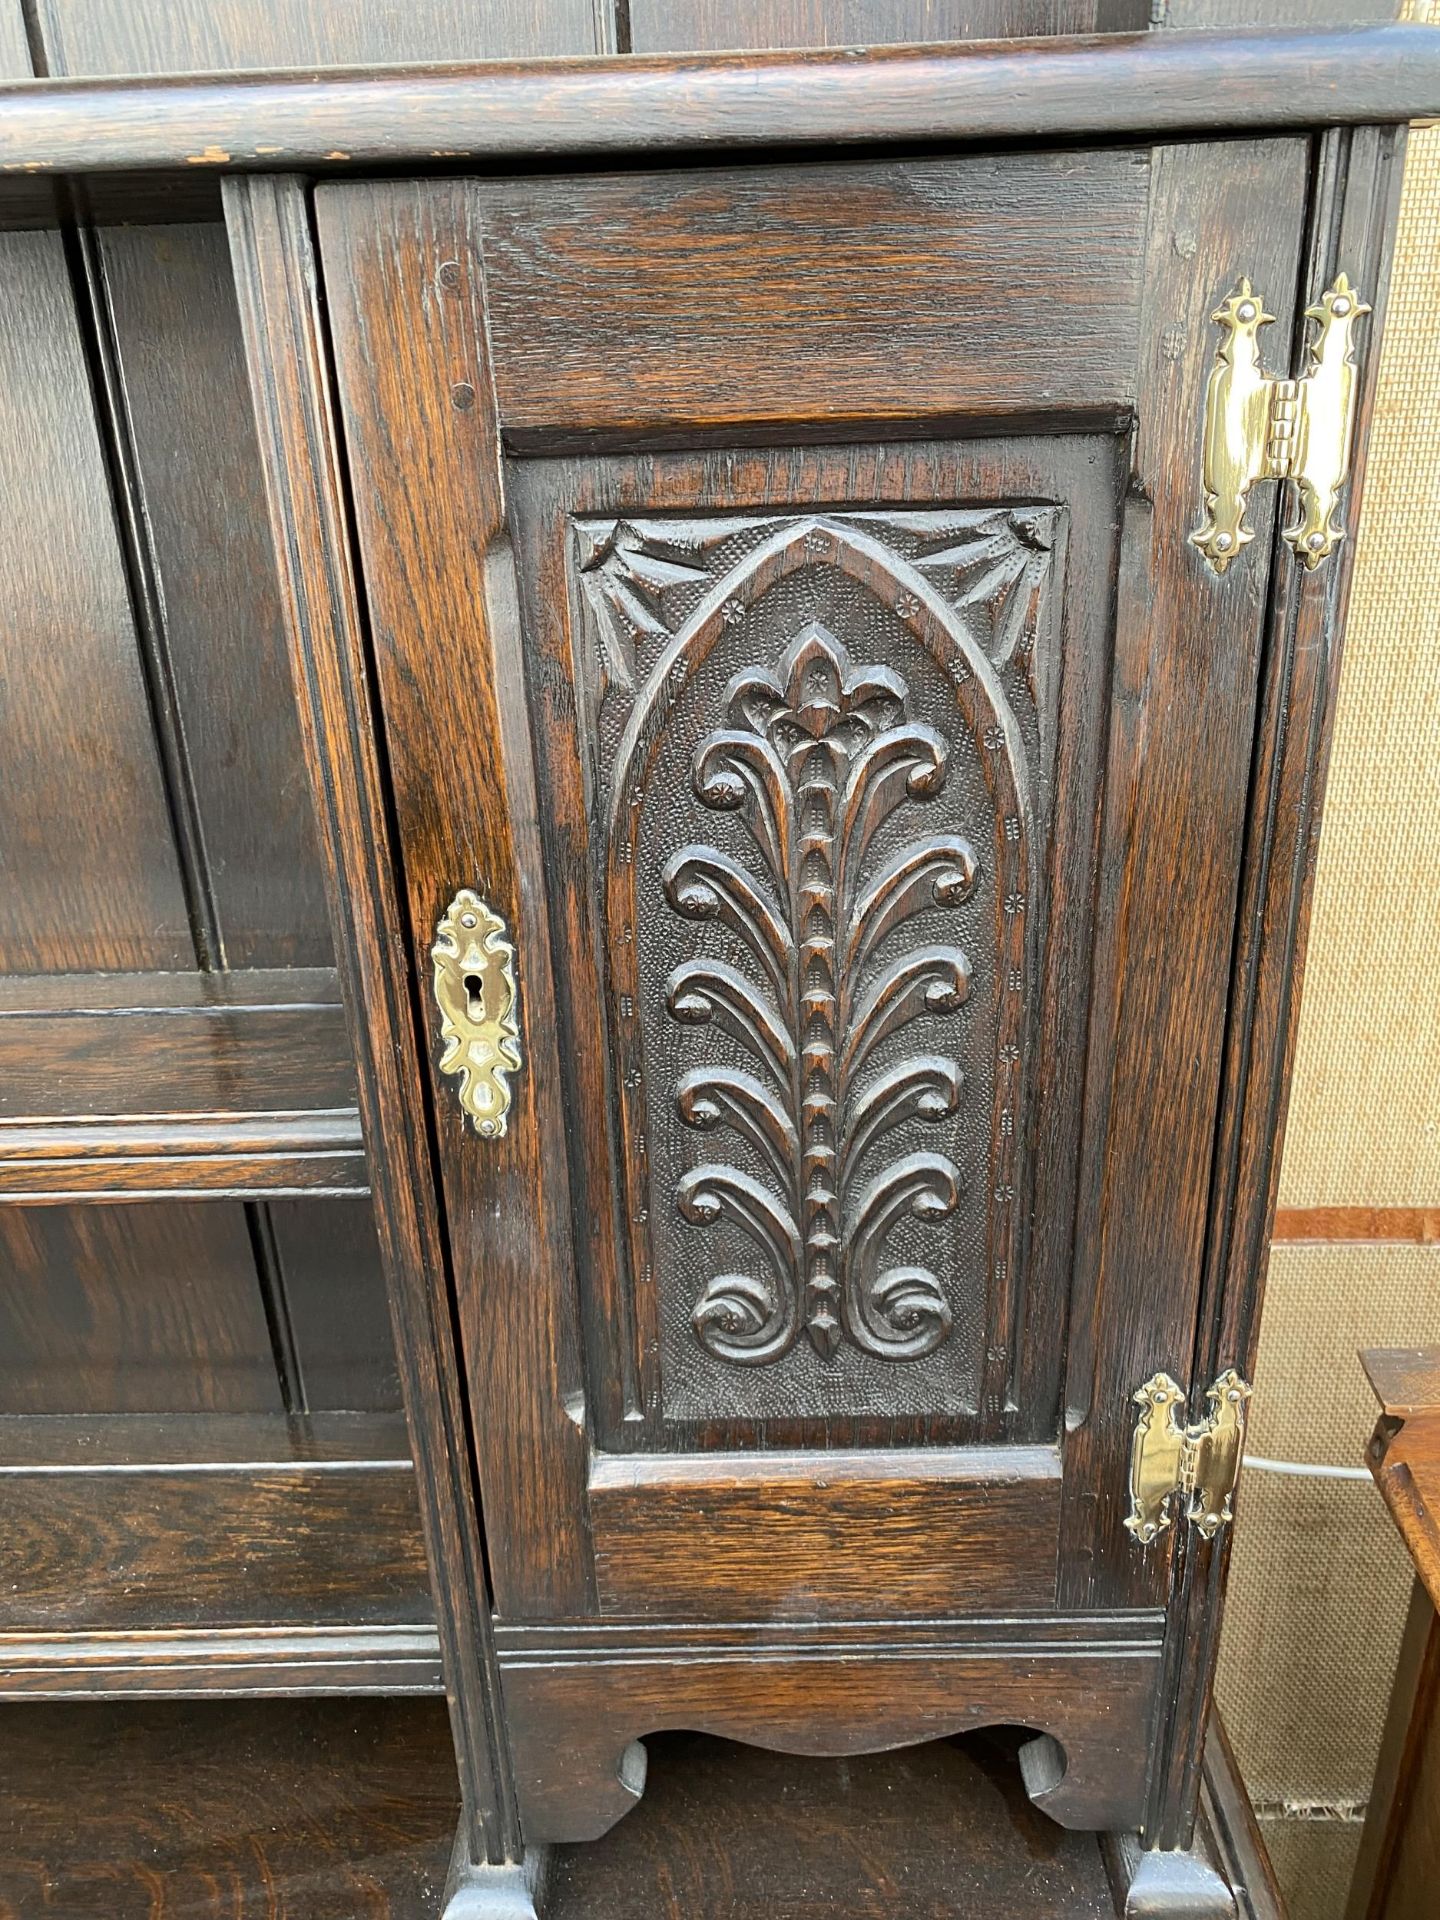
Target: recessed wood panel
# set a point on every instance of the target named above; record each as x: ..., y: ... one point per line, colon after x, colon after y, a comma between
x: 88, y: 873
x: 187, y: 411
x: 206, y: 36
x: 336, y: 1295
x: 682, y: 26
x: 847, y: 1536
x: 265, y: 1525
x: 931, y: 615
x: 815, y: 295
x: 151, y: 1308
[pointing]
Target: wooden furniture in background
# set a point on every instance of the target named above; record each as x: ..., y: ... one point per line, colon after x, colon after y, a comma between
x: 1398, y: 1869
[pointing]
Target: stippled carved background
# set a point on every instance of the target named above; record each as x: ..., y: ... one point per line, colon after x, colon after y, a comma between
x: 822, y: 753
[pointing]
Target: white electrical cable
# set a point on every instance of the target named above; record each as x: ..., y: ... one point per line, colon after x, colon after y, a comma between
x: 1306, y: 1469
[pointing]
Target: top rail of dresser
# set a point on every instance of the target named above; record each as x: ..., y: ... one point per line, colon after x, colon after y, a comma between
x: 1059, y: 88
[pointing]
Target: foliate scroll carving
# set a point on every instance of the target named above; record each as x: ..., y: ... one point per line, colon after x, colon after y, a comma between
x: 821, y: 748
x: 816, y: 755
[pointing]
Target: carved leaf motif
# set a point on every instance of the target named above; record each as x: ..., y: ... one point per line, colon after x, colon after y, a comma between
x: 925, y: 1087
x: 997, y: 567
x: 704, y: 884
x: 728, y: 1096
x: 817, y: 756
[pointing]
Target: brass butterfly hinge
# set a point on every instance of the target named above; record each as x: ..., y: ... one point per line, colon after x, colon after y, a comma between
x: 1261, y: 428
x: 1198, y: 1464
x: 475, y: 992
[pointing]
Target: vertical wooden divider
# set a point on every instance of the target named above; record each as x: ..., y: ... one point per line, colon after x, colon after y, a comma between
x: 276, y: 280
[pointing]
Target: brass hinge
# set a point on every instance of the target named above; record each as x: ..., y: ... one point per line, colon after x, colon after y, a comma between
x: 1260, y: 428
x: 1198, y: 1464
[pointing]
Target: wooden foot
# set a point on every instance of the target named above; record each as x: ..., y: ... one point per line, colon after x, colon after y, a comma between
x: 485, y: 1892
x: 1155, y: 1885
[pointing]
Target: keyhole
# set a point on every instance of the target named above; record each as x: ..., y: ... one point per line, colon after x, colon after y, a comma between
x: 475, y: 996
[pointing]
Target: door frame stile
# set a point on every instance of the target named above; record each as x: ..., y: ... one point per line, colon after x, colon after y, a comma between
x: 1355, y: 188
x: 288, y: 361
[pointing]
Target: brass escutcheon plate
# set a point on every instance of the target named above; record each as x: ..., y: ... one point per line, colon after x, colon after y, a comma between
x: 475, y: 992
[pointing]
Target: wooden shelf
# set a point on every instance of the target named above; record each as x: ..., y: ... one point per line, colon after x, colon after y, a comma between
x: 138, y: 1086
x: 212, y: 1554
x: 333, y: 1808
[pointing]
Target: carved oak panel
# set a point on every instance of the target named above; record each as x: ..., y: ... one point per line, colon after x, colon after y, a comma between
x: 822, y: 761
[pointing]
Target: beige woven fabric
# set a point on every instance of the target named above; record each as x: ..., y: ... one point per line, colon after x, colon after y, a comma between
x: 1320, y: 1583
x: 1309, y: 1647
x: 1365, y: 1111
x: 1313, y: 1861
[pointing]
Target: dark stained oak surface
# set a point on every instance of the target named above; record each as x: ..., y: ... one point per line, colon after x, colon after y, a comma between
x: 167, y: 307
x: 343, y: 1810
x: 602, y: 324
x: 279, y: 298
x: 1108, y: 83
x: 143, y: 1309
x: 176, y: 1083
x: 1355, y: 194
x: 340, y: 1810
x: 142, y: 1525
x: 88, y: 873
x: 684, y: 26
x: 210, y: 1553
x: 1399, y: 1857
x: 335, y: 1810
x: 518, y: 773
x: 717, y: 1536
x: 205, y: 36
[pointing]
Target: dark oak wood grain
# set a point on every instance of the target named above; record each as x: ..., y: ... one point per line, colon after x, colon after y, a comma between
x: 1129, y: 85
x: 1404, y: 1453
x: 167, y: 312
x: 1353, y: 201
x: 1399, y: 1854
x: 684, y: 26
x: 278, y: 291
x: 124, y: 1086
x: 137, y: 1526
x: 603, y: 327
x: 629, y: 513
x: 207, y: 1663
x: 329, y: 1810
x: 412, y: 363
x: 144, y: 1526
x: 144, y: 1309
x: 577, y: 1705
x: 208, y: 36
x: 90, y: 874
x: 1187, y: 654
x: 922, y: 1834
x: 274, y: 1810
x: 1231, y: 1833
x: 745, y: 1535
x: 334, y: 1285
x: 634, y: 569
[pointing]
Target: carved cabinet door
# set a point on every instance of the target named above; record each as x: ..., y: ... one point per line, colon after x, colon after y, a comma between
x: 788, y: 632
